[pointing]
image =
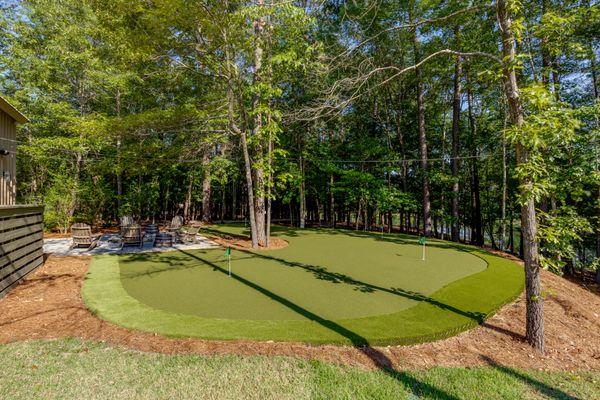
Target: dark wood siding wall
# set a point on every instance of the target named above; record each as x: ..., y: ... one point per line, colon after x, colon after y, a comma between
x: 21, y: 243
x: 8, y: 164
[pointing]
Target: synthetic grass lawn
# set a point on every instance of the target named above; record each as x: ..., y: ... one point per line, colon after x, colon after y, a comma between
x: 327, y: 286
x: 71, y: 369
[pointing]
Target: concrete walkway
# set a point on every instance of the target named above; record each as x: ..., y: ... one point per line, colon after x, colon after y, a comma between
x: 110, y: 244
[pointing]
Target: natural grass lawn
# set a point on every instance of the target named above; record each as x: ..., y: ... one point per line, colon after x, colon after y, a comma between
x: 327, y: 286
x: 71, y: 369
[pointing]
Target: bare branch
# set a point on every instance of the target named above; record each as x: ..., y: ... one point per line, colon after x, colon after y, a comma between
x: 414, y: 25
x: 333, y: 99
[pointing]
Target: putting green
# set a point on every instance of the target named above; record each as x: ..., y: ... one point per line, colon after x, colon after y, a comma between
x: 327, y: 286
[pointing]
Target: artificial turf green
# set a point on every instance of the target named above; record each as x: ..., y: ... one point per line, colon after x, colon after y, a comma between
x: 326, y: 286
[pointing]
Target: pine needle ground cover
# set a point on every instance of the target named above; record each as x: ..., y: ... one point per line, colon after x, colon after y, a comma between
x: 327, y: 286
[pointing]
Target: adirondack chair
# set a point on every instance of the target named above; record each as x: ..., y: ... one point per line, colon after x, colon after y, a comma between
x: 83, y: 236
x: 176, y: 224
x: 188, y: 233
x: 132, y: 235
x: 126, y: 220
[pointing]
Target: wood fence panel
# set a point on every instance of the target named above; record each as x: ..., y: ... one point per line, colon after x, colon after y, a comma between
x: 21, y: 243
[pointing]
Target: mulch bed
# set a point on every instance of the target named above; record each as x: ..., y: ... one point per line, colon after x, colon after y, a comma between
x: 48, y: 305
x: 245, y: 244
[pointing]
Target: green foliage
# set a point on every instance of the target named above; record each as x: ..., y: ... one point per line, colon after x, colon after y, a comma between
x: 549, y: 127
x: 59, y: 202
x: 560, y: 232
x: 391, y: 200
x: 137, y: 92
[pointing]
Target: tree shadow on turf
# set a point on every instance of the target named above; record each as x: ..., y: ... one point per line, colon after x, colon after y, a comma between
x: 378, y: 358
x: 543, y: 388
x: 337, y: 277
x: 403, y: 238
x: 162, y: 263
x: 395, y: 238
x: 169, y: 263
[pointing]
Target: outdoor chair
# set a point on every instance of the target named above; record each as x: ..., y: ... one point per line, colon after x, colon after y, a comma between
x: 188, y: 234
x: 83, y: 236
x: 176, y: 225
x: 132, y: 236
x: 126, y: 220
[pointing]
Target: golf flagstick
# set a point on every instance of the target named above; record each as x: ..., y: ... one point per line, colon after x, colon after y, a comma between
x: 228, y: 254
x: 422, y: 242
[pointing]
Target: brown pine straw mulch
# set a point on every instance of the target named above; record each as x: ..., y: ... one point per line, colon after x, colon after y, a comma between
x: 239, y: 243
x: 48, y: 305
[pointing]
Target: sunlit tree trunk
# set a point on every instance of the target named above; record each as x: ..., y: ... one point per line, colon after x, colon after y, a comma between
x: 504, y: 191
x: 302, y: 195
x: 331, y: 202
x: 187, y: 205
x: 259, y: 205
x: 269, y: 185
x: 533, y: 290
x: 422, y: 134
x: 231, y: 102
x: 206, y: 186
x: 454, y: 234
x: 118, y: 166
x: 476, y: 220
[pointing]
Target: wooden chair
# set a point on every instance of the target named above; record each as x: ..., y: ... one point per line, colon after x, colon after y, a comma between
x: 126, y: 220
x: 176, y: 225
x: 83, y: 236
x: 132, y: 235
x: 188, y: 234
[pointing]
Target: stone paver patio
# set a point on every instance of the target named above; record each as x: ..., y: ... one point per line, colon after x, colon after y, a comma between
x: 110, y: 244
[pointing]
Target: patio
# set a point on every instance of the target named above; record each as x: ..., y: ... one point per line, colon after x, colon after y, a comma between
x: 110, y: 244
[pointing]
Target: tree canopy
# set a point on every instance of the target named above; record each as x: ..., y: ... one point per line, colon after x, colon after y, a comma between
x: 471, y: 121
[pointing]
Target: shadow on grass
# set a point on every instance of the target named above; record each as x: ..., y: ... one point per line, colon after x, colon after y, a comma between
x: 336, y: 277
x: 170, y: 262
x: 395, y: 238
x: 377, y: 357
x: 543, y: 388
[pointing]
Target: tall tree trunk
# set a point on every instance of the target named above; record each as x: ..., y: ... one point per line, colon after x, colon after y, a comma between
x: 556, y: 78
x: 231, y: 101
x: 422, y: 136
x: 269, y: 185
x: 593, y: 67
x: 233, y: 200
x: 302, y: 195
x: 223, y: 204
x: 490, y: 219
x: 74, y: 201
x: 455, y: 143
x: 504, y: 190
x: 188, y: 197
x: 476, y: 220
x: 404, y: 214
x: 259, y: 205
x: 533, y: 290
x: 249, y: 187
x: 119, y: 172
x: 511, y: 230
x: 206, y: 187
x: 331, y: 202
